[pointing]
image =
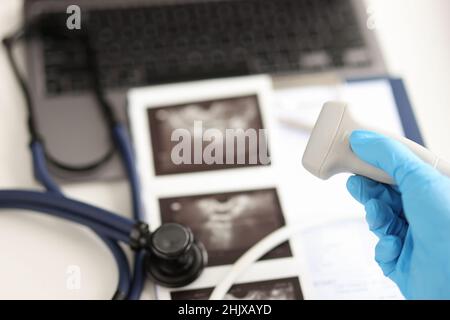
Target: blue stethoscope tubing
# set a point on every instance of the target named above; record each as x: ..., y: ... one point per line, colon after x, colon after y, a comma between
x: 111, y: 228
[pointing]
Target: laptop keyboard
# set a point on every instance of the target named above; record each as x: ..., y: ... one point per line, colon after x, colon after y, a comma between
x: 210, y: 39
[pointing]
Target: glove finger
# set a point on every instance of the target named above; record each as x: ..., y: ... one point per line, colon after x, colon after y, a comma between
x: 387, y: 251
x: 364, y: 189
x: 383, y: 221
x: 392, y: 157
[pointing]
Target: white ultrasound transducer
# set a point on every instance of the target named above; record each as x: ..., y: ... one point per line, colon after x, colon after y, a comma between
x: 328, y: 151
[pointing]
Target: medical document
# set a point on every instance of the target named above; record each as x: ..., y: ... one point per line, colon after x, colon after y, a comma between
x: 340, y: 259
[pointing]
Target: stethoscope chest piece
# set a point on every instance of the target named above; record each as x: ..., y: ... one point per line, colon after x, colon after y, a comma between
x: 175, y: 259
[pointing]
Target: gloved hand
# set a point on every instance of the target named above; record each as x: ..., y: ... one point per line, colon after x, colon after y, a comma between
x: 411, y: 219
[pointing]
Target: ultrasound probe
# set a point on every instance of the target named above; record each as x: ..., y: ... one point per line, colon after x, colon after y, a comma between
x: 328, y: 151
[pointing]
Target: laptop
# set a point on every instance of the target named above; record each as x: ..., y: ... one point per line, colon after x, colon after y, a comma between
x: 140, y: 43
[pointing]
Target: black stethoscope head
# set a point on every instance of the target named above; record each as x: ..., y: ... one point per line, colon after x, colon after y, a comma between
x: 174, y: 258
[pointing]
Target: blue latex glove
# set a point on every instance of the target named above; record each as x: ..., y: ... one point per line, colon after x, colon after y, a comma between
x: 412, y: 219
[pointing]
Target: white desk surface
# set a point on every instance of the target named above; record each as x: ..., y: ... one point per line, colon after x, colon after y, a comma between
x: 36, y: 251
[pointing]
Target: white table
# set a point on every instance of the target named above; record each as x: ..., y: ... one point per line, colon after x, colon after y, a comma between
x: 36, y: 251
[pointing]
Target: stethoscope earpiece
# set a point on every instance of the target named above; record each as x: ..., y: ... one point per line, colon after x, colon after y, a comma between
x: 174, y: 258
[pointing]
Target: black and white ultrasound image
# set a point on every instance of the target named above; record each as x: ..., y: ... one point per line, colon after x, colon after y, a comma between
x: 222, y: 114
x: 228, y: 224
x: 279, y: 289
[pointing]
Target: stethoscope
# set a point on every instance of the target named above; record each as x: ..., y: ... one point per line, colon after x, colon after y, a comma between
x: 170, y: 255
